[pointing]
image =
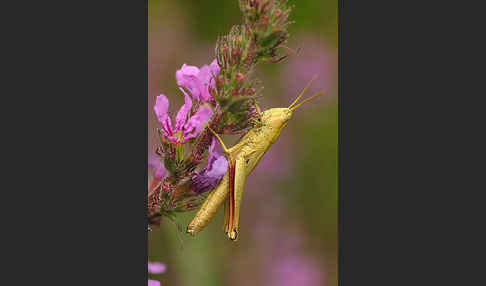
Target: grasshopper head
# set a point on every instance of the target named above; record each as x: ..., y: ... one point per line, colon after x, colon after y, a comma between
x: 276, y: 117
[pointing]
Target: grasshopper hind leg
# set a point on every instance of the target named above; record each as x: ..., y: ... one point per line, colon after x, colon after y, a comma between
x: 228, y: 228
x: 226, y: 216
x: 236, y: 184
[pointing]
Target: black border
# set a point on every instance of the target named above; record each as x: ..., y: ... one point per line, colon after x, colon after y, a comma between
x: 80, y: 142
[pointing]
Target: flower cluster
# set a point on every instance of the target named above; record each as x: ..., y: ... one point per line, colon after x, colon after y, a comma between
x: 263, y: 32
x: 220, y: 96
x: 199, y: 82
x: 186, y: 127
x: 268, y: 21
x: 167, y: 187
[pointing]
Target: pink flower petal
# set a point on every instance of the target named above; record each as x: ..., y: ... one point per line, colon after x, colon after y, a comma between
x: 195, y: 123
x: 186, y: 70
x: 214, y: 67
x: 156, y: 267
x: 204, y: 78
x: 204, y: 75
x: 161, y: 106
x: 198, y: 81
x: 182, y: 114
x: 187, y: 77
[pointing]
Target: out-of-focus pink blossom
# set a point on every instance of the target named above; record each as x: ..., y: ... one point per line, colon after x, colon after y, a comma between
x: 153, y: 282
x: 296, y: 271
x: 198, y: 81
x: 156, y: 267
x: 315, y: 59
x: 156, y: 164
x: 290, y: 264
x: 157, y: 172
x: 212, y: 173
x: 186, y: 128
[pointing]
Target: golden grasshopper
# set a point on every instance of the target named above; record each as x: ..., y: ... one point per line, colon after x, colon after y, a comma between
x: 242, y: 159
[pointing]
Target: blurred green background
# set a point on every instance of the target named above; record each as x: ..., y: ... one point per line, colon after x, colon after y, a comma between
x: 288, y: 233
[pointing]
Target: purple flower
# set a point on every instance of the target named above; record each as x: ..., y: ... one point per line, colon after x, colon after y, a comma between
x: 198, y: 81
x: 153, y: 282
x: 212, y: 173
x: 186, y: 128
x: 156, y: 267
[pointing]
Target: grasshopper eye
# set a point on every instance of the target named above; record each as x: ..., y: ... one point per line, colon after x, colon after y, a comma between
x: 257, y: 121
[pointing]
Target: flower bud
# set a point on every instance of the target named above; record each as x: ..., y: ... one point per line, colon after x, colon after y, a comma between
x: 220, y: 81
x: 239, y: 76
x: 264, y: 21
x: 266, y: 6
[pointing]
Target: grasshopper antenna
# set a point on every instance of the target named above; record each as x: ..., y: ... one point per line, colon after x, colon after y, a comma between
x: 257, y: 108
x: 307, y: 99
x: 303, y: 91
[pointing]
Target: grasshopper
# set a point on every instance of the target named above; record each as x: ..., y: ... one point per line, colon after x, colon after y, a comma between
x: 242, y: 159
